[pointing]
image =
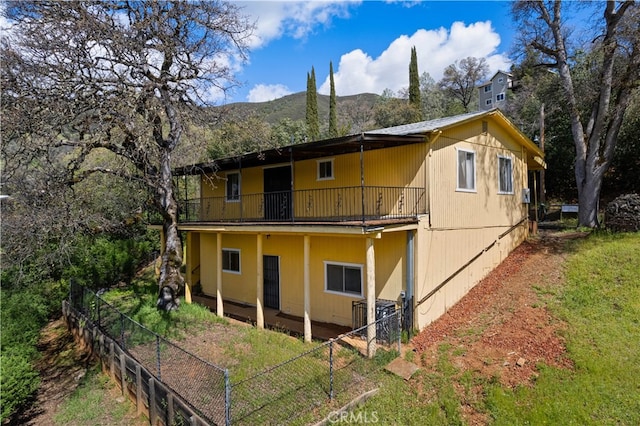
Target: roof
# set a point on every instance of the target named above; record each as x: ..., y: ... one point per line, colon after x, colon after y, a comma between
x: 374, y: 139
x: 423, y: 127
x: 508, y: 74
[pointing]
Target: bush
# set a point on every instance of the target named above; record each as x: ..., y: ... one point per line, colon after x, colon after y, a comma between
x: 19, y: 379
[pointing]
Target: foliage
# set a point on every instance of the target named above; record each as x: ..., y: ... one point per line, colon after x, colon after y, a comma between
x: 414, y: 83
x: 391, y: 111
x: 313, y: 125
x: 333, y: 119
x: 460, y: 79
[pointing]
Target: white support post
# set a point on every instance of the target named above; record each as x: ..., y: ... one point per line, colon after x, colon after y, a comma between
x: 189, y: 277
x: 307, y: 296
x: 219, y: 301
x: 371, y: 299
x: 259, y: 283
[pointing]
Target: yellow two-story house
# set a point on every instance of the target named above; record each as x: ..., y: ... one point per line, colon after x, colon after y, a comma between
x: 416, y: 214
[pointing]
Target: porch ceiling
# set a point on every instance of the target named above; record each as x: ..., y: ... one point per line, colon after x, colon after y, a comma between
x: 305, y: 151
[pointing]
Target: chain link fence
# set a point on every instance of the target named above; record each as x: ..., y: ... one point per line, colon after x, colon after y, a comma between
x: 328, y: 375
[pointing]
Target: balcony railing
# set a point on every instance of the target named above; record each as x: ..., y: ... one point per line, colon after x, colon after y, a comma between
x: 310, y: 205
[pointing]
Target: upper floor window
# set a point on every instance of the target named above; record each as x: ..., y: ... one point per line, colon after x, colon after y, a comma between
x: 500, y: 97
x: 233, y: 186
x: 487, y: 88
x: 325, y: 169
x: 343, y: 278
x: 488, y: 102
x: 231, y: 260
x: 505, y: 175
x: 500, y: 79
x: 466, y: 170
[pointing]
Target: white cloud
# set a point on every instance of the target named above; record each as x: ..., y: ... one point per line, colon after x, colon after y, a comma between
x: 358, y: 72
x: 296, y: 19
x: 267, y: 92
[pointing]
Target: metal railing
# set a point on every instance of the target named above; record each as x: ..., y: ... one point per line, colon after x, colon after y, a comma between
x: 356, y: 203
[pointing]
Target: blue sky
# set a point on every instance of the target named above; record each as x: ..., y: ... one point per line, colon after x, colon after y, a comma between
x: 369, y: 43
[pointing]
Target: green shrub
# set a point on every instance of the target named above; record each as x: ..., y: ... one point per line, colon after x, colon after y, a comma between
x: 19, y: 379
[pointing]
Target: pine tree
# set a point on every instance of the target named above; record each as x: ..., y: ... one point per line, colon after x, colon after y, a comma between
x: 333, y: 120
x: 414, y: 84
x: 313, y: 127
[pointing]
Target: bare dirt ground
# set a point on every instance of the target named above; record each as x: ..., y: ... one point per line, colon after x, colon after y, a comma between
x: 502, y: 328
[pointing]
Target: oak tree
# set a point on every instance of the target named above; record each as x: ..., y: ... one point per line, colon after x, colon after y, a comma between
x: 121, y: 77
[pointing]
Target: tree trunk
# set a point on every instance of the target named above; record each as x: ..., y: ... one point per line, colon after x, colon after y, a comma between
x: 171, y: 280
x: 588, y: 198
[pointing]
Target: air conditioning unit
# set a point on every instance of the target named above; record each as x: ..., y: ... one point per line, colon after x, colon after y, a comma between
x: 526, y: 196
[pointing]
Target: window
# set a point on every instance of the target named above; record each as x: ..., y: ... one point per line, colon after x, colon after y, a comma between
x: 505, y: 175
x: 487, y: 88
x: 500, y: 79
x: 466, y: 170
x: 233, y: 186
x: 500, y: 97
x: 325, y: 169
x: 231, y: 260
x: 343, y: 278
x: 488, y: 102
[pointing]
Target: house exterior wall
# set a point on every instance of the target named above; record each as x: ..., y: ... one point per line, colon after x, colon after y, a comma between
x: 401, y: 166
x: 325, y: 306
x: 463, y: 224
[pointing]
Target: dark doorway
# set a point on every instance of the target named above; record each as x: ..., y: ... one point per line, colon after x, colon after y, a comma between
x: 277, y: 193
x: 271, y: 277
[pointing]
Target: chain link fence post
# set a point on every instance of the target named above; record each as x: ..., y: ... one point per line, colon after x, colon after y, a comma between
x: 399, y: 331
x: 227, y: 398
x: 331, y: 370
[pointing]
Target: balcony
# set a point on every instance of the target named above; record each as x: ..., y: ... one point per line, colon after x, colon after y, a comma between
x: 347, y: 204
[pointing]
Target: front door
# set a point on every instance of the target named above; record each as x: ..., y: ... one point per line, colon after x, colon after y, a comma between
x: 277, y: 193
x: 271, y: 276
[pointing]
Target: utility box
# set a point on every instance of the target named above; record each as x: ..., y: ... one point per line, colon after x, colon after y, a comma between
x: 384, y: 308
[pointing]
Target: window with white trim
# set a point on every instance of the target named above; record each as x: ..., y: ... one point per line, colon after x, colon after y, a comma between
x: 325, y: 169
x: 487, y: 88
x: 233, y: 186
x: 343, y: 278
x: 505, y: 175
x: 466, y: 170
x: 231, y: 260
x: 500, y: 97
x: 488, y: 102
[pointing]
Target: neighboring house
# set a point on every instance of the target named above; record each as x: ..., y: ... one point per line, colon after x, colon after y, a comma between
x: 421, y: 211
x: 493, y: 93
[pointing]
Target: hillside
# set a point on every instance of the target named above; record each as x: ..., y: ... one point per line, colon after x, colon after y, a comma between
x: 294, y: 107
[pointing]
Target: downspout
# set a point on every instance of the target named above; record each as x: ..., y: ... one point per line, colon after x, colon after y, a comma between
x: 408, y: 298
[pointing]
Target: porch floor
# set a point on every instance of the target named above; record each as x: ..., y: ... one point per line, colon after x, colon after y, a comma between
x: 273, y: 318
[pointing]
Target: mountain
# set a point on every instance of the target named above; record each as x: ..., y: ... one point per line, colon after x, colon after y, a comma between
x: 294, y: 107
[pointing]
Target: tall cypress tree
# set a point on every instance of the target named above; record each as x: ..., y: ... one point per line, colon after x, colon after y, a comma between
x: 414, y: 84
x: 333, y: 120
x: 313, y: 126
